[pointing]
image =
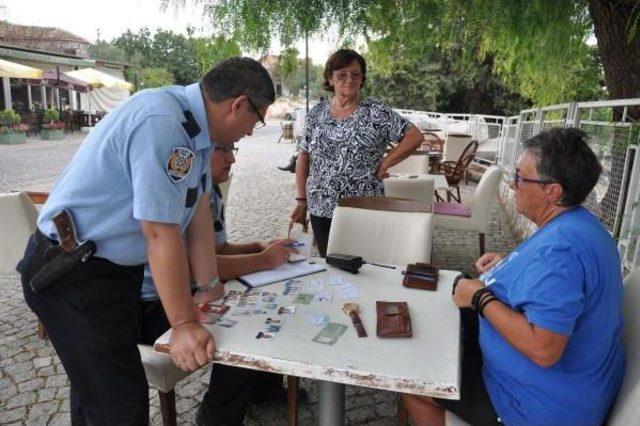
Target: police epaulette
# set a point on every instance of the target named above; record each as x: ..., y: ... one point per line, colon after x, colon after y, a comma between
x: 191, y: 125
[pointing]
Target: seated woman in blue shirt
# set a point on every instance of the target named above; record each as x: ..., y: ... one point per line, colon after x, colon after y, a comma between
x: 550, y: 312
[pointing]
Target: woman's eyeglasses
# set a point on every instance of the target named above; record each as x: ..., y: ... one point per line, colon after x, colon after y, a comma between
x: 344, y: 76
x: 517, y: 179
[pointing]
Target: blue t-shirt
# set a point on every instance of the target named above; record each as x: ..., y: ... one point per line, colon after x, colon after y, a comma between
x: 139, y: 163
x: 566, y: 278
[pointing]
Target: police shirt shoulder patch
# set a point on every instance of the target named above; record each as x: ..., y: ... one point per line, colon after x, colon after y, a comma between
x: 179, y: 163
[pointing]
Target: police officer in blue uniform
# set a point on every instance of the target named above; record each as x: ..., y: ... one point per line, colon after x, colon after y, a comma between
x: 133, y: 194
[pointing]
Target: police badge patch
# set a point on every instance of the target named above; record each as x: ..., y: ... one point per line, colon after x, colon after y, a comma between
x: 179, y: 163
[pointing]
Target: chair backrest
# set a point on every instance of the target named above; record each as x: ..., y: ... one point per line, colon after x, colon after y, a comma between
x: 455, y: 145
x: 418, y: 162
x: 417, y: 189
x: 382, y: 233
x: 18, y: 218
x: 626, y: 409
x: 454, y: 174
x: 485, y: 194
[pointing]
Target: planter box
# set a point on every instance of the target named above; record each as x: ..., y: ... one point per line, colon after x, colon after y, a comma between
x: 51, y: 134
x: 13, y: 138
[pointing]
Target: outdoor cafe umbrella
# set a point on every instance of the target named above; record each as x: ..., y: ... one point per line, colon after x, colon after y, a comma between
x: 98, y: 79
x: 14, y: 70
x: 63, y: 81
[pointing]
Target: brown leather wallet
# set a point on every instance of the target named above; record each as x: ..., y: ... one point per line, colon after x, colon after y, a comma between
x: 393, y: 319
x: 422, y: 276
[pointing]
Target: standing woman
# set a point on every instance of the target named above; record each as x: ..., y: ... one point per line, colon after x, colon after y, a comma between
x: 342, y: 153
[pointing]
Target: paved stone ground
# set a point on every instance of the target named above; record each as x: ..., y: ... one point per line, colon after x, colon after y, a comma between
x: 33, y: 386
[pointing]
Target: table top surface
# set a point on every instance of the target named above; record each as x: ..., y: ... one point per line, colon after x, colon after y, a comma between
x: 439, y: 181
x: 427, y: 363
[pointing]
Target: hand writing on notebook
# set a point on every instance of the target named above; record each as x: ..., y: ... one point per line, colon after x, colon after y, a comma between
x: 277, y: 253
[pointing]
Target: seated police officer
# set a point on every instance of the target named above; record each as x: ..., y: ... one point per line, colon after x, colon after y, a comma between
x: 135, y: 189
x: 231, y: 389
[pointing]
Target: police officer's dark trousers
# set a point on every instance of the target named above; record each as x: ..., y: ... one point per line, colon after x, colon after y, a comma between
x: 89, y: 315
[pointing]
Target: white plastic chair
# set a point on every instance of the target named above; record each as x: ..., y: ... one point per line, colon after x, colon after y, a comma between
x: 474, y: 217
x: 18, y: 218
x: 382, y: 229
x: 418, y: 162
x: 455, y: 145
x: 626, y: 409
x: 164, y: 375
x: 420, y: 188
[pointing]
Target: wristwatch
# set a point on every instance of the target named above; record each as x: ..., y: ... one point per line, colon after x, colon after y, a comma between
x: 353, y: 310
x: 210, y: 285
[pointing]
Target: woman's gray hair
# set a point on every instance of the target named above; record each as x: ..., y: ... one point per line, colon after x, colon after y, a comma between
x: 238, y: 76
x: 563, y: 156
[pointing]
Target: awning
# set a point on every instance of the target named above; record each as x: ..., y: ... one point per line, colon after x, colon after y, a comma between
x: 14, y: 70
x: 66, y: 82
x: 99, y: 79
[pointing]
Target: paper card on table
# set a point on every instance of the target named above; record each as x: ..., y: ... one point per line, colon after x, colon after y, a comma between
x: 241, y: 313
x: 336, y: 279
x: 303, y: 299
x: 347, y: 291
x: 272, y: 328
x: 226, y: 322
x: 323, y: 296
x: 270, y: 306
x: 287, y: 310
x: 313, y: 286
x: 272, y: 321
x: 330, y: 333
x: 232, y: 295
x: 292, y: 287
x: 317, y: 319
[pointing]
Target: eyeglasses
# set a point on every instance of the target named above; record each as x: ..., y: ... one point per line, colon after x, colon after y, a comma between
x: 226, y: 149
x: 260, y: 124
x: 344, y: 76
x: 517, y: 179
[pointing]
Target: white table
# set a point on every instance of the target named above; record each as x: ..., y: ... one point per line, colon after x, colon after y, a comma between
x: 426, y: 364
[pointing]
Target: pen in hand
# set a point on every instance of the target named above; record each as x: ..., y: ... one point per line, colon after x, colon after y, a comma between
x: 294, y: 244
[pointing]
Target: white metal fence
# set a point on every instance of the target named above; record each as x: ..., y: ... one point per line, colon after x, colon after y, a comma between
x: 613, y: 136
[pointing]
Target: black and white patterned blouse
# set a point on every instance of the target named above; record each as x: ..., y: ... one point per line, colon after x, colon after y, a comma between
x: 345, y: 154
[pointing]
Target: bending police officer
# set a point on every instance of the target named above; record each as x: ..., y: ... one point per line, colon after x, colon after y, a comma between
x: 135, y: 188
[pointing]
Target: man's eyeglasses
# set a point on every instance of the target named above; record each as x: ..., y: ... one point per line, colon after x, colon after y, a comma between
x: 517, y: 179
x: 343, y: 76
x: 226, y: 149
x: 260, y: 124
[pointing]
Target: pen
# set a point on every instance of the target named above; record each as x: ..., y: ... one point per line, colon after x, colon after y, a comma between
x: 294, y: 244
x: 381, y: 265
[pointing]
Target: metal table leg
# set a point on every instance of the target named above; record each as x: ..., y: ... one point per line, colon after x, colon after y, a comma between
x: 331, y: 404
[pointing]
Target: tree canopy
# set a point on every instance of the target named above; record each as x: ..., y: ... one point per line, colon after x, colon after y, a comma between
x: 538, y: 48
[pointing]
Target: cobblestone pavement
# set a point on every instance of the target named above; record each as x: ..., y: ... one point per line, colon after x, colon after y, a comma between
x: 33, y: 386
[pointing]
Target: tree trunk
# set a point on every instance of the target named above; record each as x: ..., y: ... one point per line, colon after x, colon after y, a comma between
x: 620, y: 56
x: 621, y: 62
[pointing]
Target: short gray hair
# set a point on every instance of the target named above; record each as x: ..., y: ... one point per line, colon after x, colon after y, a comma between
x: 238, y: 76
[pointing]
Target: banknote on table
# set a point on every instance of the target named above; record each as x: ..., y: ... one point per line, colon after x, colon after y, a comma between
x: 330, y: 333
x: 303, y: 298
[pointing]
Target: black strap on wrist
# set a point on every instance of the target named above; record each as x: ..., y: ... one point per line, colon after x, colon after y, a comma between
x: 455, y: 283
x: 475, y: 299
x: 484, y: 304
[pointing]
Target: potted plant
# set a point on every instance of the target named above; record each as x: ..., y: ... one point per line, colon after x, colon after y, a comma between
x: 53, y: 128
x: 11, y: 131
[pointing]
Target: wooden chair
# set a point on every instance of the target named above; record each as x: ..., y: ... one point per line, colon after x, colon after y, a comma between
x: 454, y: 171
